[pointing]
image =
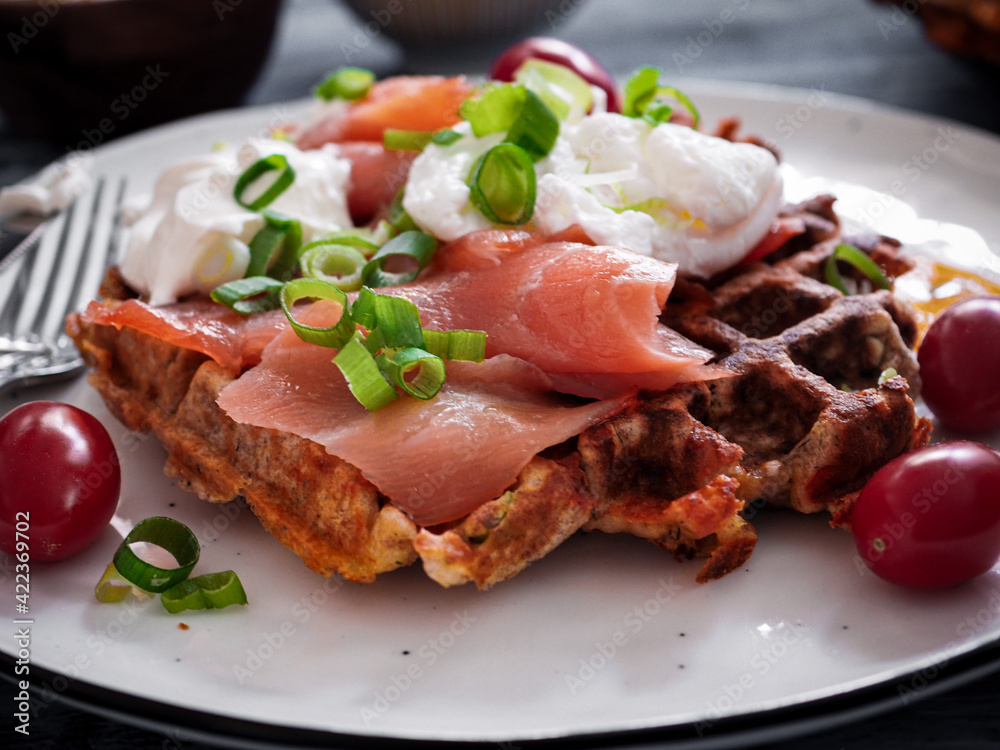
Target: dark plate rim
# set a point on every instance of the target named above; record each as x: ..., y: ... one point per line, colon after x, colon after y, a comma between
x: 185, y: 724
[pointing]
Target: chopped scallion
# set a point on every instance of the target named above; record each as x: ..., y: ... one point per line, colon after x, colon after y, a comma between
x: 503, y: 184
x: 493, y: 109
x: 536, y: 127
x: 413, y: 248
x: 274, y: 162
x: 171, y: 535
x: 416, y: 371
x: 332, y: 261
x: 335, y: 335
x: 643, y: 97
x: 346, y: 83
x: 112, y: 587
x: 208, y: 591
x: 445, y: 137
x: 558, y: 86
x: 469, y: 346
x: 517, y: 111
x: 406, y: 140
x: 398, y: 321
x: 860, y: 261
x: 363, y: 375
x: 250, y: 295
x: 274, y: 248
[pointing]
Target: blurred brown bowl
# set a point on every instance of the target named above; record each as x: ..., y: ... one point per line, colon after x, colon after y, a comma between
x: 80, y: 72
x: 429, y: 22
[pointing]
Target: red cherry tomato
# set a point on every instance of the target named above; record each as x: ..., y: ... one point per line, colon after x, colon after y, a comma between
x: 931, y: 518
x: 563, y: 53
x: 960, y: 365
x: 59, y: 480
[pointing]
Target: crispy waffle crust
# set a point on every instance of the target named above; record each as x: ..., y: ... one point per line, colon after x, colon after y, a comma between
x: 802, y: 423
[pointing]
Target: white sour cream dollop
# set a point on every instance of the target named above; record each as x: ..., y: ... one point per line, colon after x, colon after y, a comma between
x: 667, y: 191
x: 193, y: 235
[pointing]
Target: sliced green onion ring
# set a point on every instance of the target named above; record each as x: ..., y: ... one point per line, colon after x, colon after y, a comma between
x: 250, y: 295
x: 346, y: 83
x: 416, y: 371
x: 519, y: 112
x: 334, y: 336
x: 642, y: 97
x: 208, y: 591
x: 465, y: 345
x: 273, y: 250
x: 406, y: 140
x: 445, y: 137
x: 184, y: 596
x: 503, y: 184
x: 171, y: 535
x: 363, y: 310
x: 550, y: 80
x: 112, y: 587
x: 274, y: 162
x: 536, y: 127
x: 886, y: 374
x: 494, y: 108
x: 332, y: 261
x: 363, y: 376
x: 398, y: 320
x: 414, y: 245
x: 858, y: 259
x: 399, y: 220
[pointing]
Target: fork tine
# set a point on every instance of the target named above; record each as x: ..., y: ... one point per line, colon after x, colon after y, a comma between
x: 92, y: 258
x: 18, y: 289
x: 65, y: 268
x: 35, y: 274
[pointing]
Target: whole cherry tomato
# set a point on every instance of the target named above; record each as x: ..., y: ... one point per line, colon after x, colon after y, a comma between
x: 931, y: 518
x: 59, y: 480
x: 960, y: 365
x: 563, y: 53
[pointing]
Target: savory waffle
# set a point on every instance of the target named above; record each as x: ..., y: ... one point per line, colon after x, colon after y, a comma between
x: 803, y: 422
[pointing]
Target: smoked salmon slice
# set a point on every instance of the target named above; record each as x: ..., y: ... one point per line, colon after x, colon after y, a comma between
x: 377, y: 174
x: 233, y: 340
x: 436, y: 460
x: 587, y: 315
x: 427, y: 103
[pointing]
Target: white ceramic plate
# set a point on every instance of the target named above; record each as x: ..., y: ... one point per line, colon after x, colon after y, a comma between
x: 607, y: 639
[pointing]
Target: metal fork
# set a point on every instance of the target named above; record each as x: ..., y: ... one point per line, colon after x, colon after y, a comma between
x: 54, y: 278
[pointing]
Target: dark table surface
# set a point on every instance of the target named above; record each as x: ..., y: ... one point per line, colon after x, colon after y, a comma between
x: 850, y: 47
